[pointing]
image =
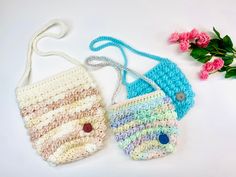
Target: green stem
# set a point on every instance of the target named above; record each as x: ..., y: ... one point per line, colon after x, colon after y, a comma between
x: 219, y: 51
x: 230, y: 68
x: 214, y: 53
x: 222, y: 50
x: 234, y: 54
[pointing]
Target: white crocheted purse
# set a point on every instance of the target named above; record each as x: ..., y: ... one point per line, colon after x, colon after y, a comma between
x: 64, y: 113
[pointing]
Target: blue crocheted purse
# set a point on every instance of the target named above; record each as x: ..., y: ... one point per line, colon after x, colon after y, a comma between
x: 166, y: 74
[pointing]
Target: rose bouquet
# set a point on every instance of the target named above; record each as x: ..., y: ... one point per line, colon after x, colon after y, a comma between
x: 216, y: 52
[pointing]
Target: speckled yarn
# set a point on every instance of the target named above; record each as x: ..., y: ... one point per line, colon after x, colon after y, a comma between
x: 165, y: 74
x: 64, y: 114
x: 138, y: 124
x: 145, y: 127
x: 173, y: 82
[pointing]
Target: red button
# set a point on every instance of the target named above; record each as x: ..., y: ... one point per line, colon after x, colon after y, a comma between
x: 87, y: 127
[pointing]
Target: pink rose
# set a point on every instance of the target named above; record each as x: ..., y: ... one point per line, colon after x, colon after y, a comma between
x: 174, y: 37
x: 218, y: 63
x: 203, y: 75
x: 184, y: 36
x: 209, y: 67
x: 184, y: 46
x: 193, y: 34
x: 203, y: 40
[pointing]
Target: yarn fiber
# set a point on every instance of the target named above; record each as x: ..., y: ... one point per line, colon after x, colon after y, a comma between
x: 171, y: 80
x: 145, y: 127
x: 64, y: 115
x: 166, y: 74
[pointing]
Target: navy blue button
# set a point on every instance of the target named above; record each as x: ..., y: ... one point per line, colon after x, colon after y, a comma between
x: 163, y: 138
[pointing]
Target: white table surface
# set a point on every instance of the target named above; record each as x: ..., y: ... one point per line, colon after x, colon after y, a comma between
x: 207, y: 146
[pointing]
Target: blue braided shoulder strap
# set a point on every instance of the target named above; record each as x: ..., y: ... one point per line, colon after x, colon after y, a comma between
x: 120, y: 45
x: 166, y: 74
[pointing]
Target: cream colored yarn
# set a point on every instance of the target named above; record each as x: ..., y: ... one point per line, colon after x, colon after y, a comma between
x: 64, y: 114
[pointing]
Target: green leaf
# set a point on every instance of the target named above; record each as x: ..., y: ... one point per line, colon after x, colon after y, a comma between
x: 198, y: 53
x: 201, y: 54
x: 217, y: 33
x: 227, y: 43
x: 193, y: 45
x: 230, y: 73
x: 204, y: 59
x: 223, y: 69
x: 228, y: 59
x: 215, y: 47
x: 214, y: 43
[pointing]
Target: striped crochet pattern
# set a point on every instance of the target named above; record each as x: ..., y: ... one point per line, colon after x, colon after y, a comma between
x: 145, y: 127
x: 172, y: 81
x: 64, y: 115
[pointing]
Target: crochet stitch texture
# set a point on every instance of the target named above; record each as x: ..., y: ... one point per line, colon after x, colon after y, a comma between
x: 139, y: 123
x: 64, y: 114
x: 55, y: 112
x: 145, y: 127
x: 166, y: 74
x: 171, y: 80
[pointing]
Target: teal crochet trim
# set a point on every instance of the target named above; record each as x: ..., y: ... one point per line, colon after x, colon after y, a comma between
x: 171, y: 80
x: 165, y: 74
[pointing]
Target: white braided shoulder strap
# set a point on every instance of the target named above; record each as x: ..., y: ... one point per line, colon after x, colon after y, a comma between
x: 43, y: 33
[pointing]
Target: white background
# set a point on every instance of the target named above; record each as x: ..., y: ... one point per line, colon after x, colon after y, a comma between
x: 207, y: 146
